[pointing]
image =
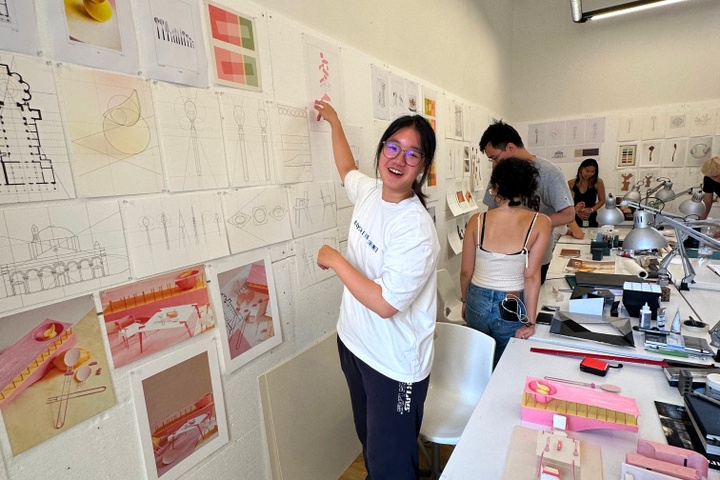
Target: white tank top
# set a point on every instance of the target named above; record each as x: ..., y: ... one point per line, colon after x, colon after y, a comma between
x: 504, y: 272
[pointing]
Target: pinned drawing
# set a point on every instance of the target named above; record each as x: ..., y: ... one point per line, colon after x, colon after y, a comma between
x: 306, y: 248
x: 246, y: 293
x: 560, y: 154
x: 112, y: 131
x: 324, y: 75
x: 626, y: 155
x: 699, y: 150
x: 702, y: 122
x: 411, y: 95
x: 677, y: 126
x: 246, y: 130
x: 595, y: 130
x: 18, y: 26
x: 555, y: 134
x: 191, y: 133
x: 397, y: 96
x: 381, y: 92
x: 674, y: 151
x: 55, y: 252
x: 53, y: 371
x: 151, y: 315
x: 429, y: 99
x: 574, y: 132
x: 630, y: 128
x: 174, y: 47
x: 33, y: 157
x: 449, y: 159
x: 291, y: 140
x: 233, y: 42
x: 256, y: 217
x: 536, y: 135
x: 653, y: 126
x: 96, y: 33
x: 180, y: 409
x: 626, y: 181
x: 651, y: 153
x: 174, y: 231
x: 312, y: 207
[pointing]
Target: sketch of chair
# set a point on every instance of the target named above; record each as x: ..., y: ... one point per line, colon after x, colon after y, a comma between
x: 302, y: 205
x: 328, y: 201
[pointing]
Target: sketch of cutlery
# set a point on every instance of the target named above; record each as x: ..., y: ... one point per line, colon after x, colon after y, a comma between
x: 70, y: 358
x: 76, y: 394
x: 239, y: 115
x: 263, y: 121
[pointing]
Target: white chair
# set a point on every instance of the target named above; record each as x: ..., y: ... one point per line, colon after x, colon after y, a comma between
x: 449, y: 304
x: 461, y: 369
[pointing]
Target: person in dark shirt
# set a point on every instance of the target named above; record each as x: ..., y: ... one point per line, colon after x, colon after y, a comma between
x: 588, y: 192
x: 711, y: 183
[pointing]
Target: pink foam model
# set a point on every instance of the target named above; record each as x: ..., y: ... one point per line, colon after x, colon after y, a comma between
x: 584, y: 409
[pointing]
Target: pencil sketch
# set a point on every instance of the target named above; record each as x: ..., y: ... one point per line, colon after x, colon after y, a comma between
x: 595, y: 130
x: 677, y: 126
x: 112, y: 131
x: 381, y: 92
x: 33, y: 154
x: 574, y: 132
x: 246, y: 130
x: 306, y: 267
x: 256, y: 217
x: 54, y: 252
x: 630, y: 128
x: 172, y: 33
x: 312, y: 207
x: 700, y: 150
x: 18, y: 26
x: 191, y: 135
x: 702, y: 122
x: 173, y: 231
x: 291, y: 140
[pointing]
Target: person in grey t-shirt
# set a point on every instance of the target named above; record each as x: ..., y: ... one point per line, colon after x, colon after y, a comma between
x: 501, y: 141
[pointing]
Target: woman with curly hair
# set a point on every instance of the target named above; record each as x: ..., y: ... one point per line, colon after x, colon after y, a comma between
x: 502, y: 253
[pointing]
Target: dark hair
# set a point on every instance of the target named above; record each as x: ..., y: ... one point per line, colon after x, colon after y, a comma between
x: 588, y: 162
x: 500, y: 134
x: 516, y: 180
x: 427, y: 146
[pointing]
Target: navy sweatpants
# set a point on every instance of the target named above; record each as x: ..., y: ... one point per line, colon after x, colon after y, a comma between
x: 387, y: 416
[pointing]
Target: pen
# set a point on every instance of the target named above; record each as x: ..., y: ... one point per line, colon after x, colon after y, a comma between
x: 713, y: 269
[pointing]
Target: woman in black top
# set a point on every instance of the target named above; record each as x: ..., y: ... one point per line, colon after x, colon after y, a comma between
x: 711, y: 183
x: 588, y: 193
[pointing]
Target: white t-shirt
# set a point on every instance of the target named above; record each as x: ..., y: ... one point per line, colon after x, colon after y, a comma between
x: 395, y: 245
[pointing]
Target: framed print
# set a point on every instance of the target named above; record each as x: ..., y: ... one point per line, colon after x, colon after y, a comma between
x: 244, y: 290
x: 180, y: 409
x: 626, y: 155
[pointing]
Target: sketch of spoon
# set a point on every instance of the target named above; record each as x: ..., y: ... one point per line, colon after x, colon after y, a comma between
x: 239, y: 115
x: 70, y: 358
x: 263, y: 121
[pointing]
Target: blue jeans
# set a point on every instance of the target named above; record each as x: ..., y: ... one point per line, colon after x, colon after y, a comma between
x: 482, y: 313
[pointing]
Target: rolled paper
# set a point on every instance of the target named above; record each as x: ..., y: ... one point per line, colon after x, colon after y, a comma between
x: 632, y: 267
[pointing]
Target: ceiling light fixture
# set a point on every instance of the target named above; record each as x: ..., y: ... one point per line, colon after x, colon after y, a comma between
x: 579, y: 16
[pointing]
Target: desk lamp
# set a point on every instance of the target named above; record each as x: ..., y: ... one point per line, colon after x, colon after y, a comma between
x: 610, y: 214
x: 634, y: 194
x: 666, y: 192
x: 694, y: 205
x: 649, y: 238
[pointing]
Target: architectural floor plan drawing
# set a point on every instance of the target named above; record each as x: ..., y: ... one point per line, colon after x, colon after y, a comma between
x: 312, y: 207
x: 256, y: 217
x: 173, y: 231
x: 55, y: 252
x: 113, y: 133
x: 248, y: 142
x: 306, y: 249
x: 191, y: 134
x: 291, y: 140
x: 33, y: 156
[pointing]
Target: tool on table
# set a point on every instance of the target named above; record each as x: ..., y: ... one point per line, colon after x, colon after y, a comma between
x: 602, y: 386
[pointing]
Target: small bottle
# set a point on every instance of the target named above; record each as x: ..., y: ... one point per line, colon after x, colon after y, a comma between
x: 675, y: 327
x: 661, y: 318
x: 645, y: 315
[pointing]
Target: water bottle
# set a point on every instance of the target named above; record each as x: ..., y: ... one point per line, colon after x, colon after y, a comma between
x: 704, y: 250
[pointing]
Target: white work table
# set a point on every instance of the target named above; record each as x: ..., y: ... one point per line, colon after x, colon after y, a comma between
x: 484, y: 445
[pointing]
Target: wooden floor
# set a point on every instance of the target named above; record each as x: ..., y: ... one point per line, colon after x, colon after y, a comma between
x: 357, y: 471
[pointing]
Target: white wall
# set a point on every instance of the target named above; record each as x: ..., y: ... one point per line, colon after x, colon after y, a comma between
x: 463, y: 46
x: 662, y: 56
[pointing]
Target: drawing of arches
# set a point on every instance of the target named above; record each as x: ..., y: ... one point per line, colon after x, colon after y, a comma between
x: 61, y: 274
x: 18, y: 283
x: 34, y: 280
x: 85, y: 270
